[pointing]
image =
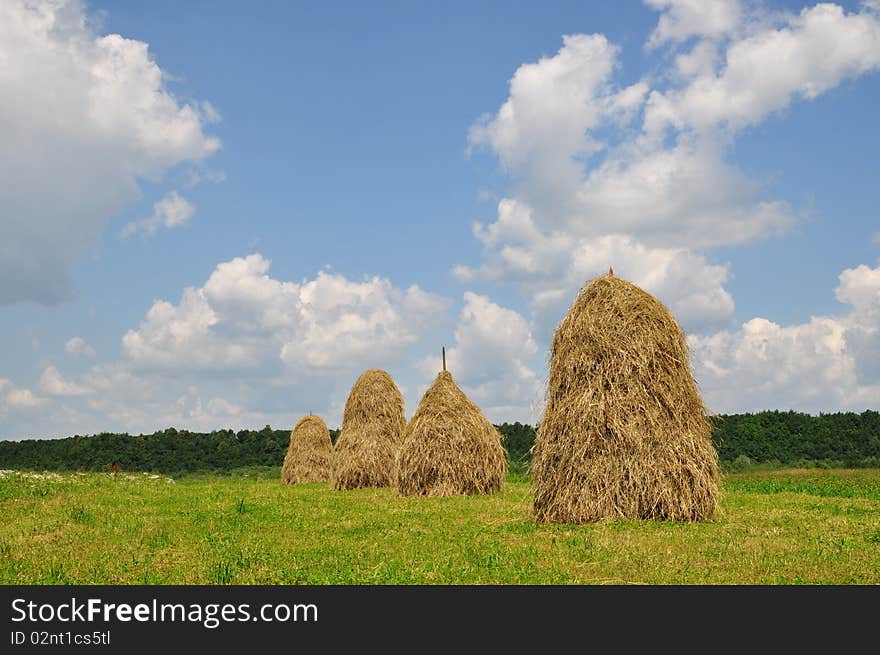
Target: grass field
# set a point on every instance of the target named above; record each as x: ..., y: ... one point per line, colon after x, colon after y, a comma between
x: 793, y: 526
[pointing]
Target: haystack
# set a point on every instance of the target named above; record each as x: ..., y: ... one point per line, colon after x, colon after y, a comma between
x: 372, y: 429
x: 310, y: 454
x: 624, y: 432
x: 449, y: 447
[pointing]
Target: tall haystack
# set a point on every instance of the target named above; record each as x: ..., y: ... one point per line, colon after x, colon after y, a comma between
x: 624, y: 432
x: 372, y: 429
x: 449, y: 447
x: 310, y: 454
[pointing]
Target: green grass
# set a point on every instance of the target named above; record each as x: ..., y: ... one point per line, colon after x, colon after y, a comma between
x: 808, y: 526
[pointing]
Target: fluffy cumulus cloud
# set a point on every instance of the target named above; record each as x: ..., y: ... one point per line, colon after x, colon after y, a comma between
x: 129, y: 400
x: 85, y: 117
x: 490, y: 359
x: 827, y: 362
x: 545, y: 122
x: 78, y: 347
x: 682, y: 19
x: 115, y: 397
x: 186, y: 335
x: 552, y: 133
x: 684, y: 195
x: 52, y: 383
x: 14, y: 399
x: 803, y: 57
x: 343, y: 322
x: 171, y: 211
x: 552, y: 268
x: 242, y: 319
x: 860, y: 288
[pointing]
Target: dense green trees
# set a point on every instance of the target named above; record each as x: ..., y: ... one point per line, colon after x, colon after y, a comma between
x: 842, y: 439
x: 784, y: 438
x: 791, y: 437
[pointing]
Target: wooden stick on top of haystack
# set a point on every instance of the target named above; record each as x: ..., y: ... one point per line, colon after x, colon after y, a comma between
x: 449, y: 447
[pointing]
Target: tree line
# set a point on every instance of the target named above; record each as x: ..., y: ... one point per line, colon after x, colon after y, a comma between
x: 742, y: 440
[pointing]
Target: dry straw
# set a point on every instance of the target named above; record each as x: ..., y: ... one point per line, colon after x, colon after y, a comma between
x: 449, y: 447
x: 624, y: 432
x: 310, y: 454
x: 372, y: 429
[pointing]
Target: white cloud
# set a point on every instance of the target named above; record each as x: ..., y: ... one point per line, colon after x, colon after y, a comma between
x: 806, y: 56
x: 860, y: 288
x: 209, y: 112
x: 84, y: 118
x: 551, y: 269
x: 196, y: 176
x: 244, y: 319
x: 189, y: 335
x: 13, y: 398
x: 216, y: 413
x: 684, y: 195
x: 53, y: 383
x: 123, y: 400
x: 532, y: 128
x: 171, y: 211
x: 825, y: 364
x: 541, y: 133
x: 78, y: 347
x: 342, y: 322
x: 700, y: 61
x: 490, y: 360
x: 682, y: 19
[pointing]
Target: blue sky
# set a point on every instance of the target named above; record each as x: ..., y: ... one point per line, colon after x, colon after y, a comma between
x: 722, y: 155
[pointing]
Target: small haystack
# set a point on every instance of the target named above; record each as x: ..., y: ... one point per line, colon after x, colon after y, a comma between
x: 624, y: 432
x: 449, y: 447
x: 372, y: 429
x: 310, y: 454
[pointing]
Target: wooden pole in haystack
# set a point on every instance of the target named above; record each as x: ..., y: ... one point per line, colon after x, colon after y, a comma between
x: 450, y: 448
x: 443, y: 350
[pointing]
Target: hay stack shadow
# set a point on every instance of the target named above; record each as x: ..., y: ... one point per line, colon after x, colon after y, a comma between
x: 449, y: 447
x: 624, y: 431
x: 309, y: 456
x: 372, y: 428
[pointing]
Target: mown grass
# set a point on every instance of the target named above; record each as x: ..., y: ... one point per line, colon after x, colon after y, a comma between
x: 812, y: 526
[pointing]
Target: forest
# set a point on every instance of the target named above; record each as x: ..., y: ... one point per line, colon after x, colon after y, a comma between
x: 768, y: 439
